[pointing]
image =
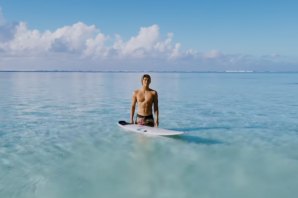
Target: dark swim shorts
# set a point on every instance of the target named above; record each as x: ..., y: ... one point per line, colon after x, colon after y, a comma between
x: 145, y: 120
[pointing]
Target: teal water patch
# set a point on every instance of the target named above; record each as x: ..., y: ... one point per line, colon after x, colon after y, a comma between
x: 59, y: 136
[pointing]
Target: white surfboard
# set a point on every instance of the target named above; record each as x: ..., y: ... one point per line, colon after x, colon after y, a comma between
x: 146, y: 130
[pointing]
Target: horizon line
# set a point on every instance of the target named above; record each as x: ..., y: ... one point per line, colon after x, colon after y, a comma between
x: 139, y: 71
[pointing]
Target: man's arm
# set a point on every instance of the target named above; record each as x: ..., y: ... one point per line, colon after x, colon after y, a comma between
x: 133, y: 106
x: 156, y: 111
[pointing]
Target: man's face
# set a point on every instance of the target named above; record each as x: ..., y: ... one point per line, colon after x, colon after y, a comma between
x: 146, y: 81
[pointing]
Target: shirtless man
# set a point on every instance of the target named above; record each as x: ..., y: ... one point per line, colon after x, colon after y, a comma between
x: 146, y: 98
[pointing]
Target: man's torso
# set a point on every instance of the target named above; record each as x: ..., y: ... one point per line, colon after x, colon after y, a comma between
x: 145, y: 101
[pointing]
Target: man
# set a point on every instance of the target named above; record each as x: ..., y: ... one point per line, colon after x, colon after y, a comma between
x: 145, y: 98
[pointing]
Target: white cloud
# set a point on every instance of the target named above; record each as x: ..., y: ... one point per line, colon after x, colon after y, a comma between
x: 88, y: 41
x: 143, y: 42
x: 72, y: 38
x: 67, y: 39
x: 81, y: 44
x: 212, y: 54
x: 26, y: 41
x: 95, y: 47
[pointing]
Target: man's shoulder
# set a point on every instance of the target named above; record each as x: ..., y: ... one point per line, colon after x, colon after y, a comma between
x: 153, y: 91
x: 135, y: 92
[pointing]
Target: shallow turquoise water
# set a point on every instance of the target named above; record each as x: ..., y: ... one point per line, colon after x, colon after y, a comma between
x: 59, y: 138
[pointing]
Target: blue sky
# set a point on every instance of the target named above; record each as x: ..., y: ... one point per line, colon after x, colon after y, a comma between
x: 204, y: 35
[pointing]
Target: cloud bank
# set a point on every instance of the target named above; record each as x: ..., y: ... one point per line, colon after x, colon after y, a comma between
x: 85, y: 47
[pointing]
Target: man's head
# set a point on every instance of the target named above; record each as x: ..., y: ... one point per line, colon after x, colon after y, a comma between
x: 146, y: 79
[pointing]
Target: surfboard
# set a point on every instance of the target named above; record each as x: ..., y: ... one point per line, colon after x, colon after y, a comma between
x: 146, y: 130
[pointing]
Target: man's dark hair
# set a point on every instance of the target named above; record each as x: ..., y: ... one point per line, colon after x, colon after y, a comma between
x: 146, y: 76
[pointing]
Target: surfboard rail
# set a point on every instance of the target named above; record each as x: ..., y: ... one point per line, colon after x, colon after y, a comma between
x: 146, y: 130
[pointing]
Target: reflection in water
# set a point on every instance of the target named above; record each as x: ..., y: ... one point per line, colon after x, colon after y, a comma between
x: 195, y: 139
x: 200, y: 128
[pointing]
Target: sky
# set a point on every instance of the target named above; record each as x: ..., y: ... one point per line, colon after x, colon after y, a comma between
x: 164, y: 35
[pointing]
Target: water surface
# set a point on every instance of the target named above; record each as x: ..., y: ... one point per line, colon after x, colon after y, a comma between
x: 59, y: 138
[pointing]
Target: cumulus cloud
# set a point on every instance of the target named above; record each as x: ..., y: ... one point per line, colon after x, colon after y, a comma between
x: 212, y: 54
x: 86, y: 45
x: 87, y: 41
x: 143, y: 42
x: 82, y: 42
x: 67, y: 39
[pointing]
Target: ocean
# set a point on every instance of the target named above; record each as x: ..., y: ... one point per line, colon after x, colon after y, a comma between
x: 59, y: 136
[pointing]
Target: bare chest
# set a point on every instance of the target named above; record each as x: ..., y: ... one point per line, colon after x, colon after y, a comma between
x: 145, y: 97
